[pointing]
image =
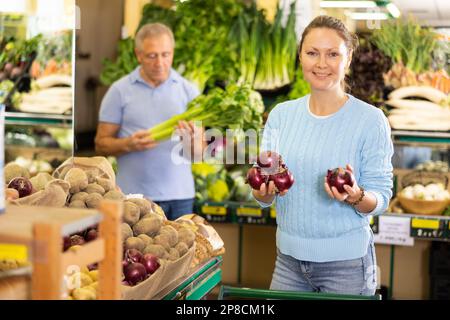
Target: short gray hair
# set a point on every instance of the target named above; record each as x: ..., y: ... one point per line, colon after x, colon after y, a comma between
x: 151, y: 30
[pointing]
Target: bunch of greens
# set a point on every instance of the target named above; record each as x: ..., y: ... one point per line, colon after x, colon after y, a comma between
x: 236, y: 107
x: 125, y: 63
x: 366, y: 72
x: 267, y: 52
x: 406, y: 42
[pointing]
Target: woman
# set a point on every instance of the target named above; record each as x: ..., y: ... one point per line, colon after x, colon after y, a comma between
x: 324, y: 240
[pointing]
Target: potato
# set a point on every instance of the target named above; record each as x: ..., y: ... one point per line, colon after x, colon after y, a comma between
x: 13, y: 170
x: 77, y: 204
x: 173, y: 234
x: 146, y: 239
x: 77, y: 179
x: 83, y: 294
x: 114, y: 195
x: 173, y: 254
x: 79, y: 196
x: 94, y: 187
x: 105, y: 183
x: 79, y: 279
x: 93, y: 200
x: 149, y: 226
x: 156, y: 250
x: 163, y: 240
x: 135, y: 243
x: 40, y: 180
x: 130, y: 213
x: 126, y: 232
x: 182, y: 248
x: 187, y: 236
x: 144, y: 206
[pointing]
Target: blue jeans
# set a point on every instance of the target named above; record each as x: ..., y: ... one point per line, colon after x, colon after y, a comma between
x: 176, y: 208
x: 353, y: 277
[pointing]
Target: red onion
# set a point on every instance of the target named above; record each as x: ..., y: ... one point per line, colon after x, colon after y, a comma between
x: 150, y: 262
x: 283, y: 180
x: 255, y: 178
x: 339, y: 177
x: 76, y: 240
x: 133, y: 255
x: 134, y: 273
x: 66, y: 243
x: 269, y: 161
x: 91, y: 235
x: 22, y: 185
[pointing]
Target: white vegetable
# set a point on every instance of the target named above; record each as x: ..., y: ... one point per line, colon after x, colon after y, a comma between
x: 414, y: 104
x: 53, y: 80
x: 426, y: 92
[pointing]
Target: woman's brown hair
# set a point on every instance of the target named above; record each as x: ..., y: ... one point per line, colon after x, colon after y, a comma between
x: 350, y: 39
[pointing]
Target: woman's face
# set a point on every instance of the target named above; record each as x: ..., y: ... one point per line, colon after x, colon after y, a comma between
x: 324, y: 59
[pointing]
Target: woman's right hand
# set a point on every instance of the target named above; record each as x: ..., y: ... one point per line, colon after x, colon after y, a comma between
x: 267, y: 193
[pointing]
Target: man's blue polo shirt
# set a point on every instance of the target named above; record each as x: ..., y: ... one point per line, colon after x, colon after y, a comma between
x: 135, y: 105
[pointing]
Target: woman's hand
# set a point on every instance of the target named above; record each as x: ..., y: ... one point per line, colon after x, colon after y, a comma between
x: 267, y: 193
x: 352, y: 194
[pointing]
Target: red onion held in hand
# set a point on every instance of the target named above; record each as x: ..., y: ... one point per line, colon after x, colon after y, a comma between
x: 134, y: 273
x: 255, y: 178
x: 283, y: 180
x: 150, y: 262
x: 339, y: 177
x: 269, y: 161
x: 22, y: 185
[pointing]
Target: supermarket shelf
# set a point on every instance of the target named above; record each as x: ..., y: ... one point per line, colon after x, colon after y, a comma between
x: 196, y: 285
x: 21, y: 118
x: 421, y: 137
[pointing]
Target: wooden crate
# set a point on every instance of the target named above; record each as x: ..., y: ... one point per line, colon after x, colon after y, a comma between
x: 41, y: 231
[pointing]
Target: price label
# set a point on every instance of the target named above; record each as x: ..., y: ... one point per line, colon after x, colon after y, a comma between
x: 254, y: 212
x: 13, y: 252
x: 425, y: 224
x: 371, y: 221
x: 394, y: 230
x: 214, y: 210
x: 273, y: 213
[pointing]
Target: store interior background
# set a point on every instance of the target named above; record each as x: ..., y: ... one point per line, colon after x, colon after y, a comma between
x: 250, y: 249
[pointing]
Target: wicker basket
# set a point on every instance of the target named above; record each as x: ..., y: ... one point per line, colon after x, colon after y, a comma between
x: 429, y: 207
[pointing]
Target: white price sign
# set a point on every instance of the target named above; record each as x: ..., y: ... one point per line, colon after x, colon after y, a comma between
x: 394, y: 230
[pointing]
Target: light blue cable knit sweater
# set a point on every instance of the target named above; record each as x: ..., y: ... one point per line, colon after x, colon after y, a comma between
x: 311, y: 226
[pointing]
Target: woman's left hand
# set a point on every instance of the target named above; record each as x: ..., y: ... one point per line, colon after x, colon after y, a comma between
x: 352, y: 194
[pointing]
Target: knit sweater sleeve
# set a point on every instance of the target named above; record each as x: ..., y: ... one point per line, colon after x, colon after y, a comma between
x: 376, y: 172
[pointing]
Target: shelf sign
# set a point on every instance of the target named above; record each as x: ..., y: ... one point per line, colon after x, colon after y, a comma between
x: 418, y: 223
x: 214, y: 210
x: 273, y: 213
x: 254, y: 212
x: 13, y: 252
x: 394, y: 230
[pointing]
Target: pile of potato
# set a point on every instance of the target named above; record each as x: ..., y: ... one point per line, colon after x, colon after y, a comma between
x: 150, y: 233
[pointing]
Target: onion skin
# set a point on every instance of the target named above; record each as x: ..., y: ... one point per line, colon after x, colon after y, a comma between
x: 255, y: 178
x: 339, y: 177
x: 133, y: 255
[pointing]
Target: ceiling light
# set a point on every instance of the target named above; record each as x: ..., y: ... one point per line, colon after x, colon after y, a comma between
x: 369, y: 16
x: 348, y: 4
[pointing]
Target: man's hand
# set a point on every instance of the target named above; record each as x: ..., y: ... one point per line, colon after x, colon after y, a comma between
x: 194, y: 135
x: 140, y: 141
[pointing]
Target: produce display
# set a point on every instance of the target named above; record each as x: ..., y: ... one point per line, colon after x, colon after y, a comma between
x: 233, y: 42
x: 153, y: 247
x: 432, y: 191
x: 433, y: 166
x: 430, y: 113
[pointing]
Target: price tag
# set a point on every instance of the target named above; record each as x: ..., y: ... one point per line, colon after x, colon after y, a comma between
x: 254, y: 212
x: 425, y: 224
x: 371, y: 221
x: 273, y: 213
x: 13, y: 252
x: 214, y: 210
x: 394, y: 230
